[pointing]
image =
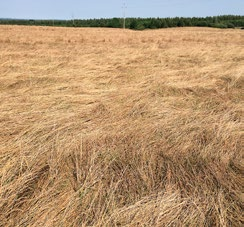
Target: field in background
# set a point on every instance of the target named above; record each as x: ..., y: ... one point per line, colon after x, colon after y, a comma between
x: 105, y: 127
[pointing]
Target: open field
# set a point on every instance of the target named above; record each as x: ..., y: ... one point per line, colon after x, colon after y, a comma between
x: 105, y: 127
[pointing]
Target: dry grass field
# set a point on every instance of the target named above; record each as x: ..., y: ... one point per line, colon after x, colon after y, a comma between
x: 110, y: 127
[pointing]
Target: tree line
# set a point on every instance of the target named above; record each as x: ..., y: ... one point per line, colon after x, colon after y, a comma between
x: 226, y: 21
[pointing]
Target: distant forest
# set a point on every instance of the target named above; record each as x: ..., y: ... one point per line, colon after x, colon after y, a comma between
x: 227, y: 21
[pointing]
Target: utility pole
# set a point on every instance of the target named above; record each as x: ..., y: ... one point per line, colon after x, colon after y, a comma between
x: 124, y: 7
x: 73, y: 20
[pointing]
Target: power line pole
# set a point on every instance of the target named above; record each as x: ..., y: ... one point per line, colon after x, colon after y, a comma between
x: 124, y: 7
x: 73, y: 20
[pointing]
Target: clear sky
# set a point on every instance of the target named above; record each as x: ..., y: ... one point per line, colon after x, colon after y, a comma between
x: 83, y: 9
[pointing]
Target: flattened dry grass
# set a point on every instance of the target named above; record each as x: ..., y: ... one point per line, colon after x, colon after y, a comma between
x: 105, y: 127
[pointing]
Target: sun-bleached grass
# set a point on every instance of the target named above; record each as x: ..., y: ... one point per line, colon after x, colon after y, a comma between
x: 109, y: 127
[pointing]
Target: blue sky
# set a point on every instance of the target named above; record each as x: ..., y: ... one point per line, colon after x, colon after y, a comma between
x: 83, y: 9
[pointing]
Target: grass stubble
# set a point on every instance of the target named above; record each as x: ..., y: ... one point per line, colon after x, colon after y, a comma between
x: 105, y: 127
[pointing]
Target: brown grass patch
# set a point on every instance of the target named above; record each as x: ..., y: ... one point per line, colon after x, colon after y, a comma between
x: 106, y: 127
